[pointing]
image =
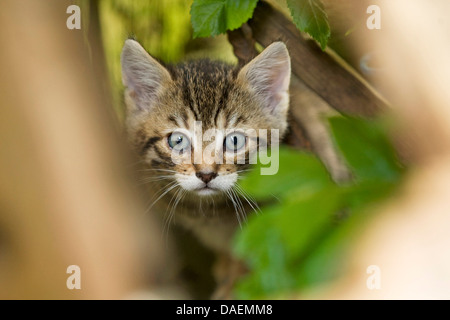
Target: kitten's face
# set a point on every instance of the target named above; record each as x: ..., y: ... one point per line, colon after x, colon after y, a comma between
x: 167, y: 106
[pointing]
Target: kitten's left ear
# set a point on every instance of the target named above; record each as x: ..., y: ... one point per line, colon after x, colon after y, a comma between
x: 268, y: 76
x: 143, y: 76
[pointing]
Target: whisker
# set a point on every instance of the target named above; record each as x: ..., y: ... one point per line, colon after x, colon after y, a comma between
x: 135, y: 164
x: 166, y: 226
x: 244, y: 170
x: 214, y: 206
x: 240, y: 205
x: 162, y: 188
x: 160, y: 170
x: 173, y: 211
x: 156, y: 176
x: 250, y: 200
x: 230, y: 195
x: 169, y: 186
x: 278, y: 199
x: 153, y: 179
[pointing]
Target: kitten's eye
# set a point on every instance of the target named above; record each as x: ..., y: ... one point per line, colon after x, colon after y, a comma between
x: 234, y: 141
x: 178, y: 141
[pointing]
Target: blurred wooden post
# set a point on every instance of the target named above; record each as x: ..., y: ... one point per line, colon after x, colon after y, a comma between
x: 63, y: 196
x: 408, y: 239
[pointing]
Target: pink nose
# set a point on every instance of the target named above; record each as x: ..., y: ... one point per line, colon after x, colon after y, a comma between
x: 206, y: 176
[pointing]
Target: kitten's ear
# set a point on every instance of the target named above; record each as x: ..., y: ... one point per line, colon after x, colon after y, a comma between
x: 143, y: 76
x: 268, y: 75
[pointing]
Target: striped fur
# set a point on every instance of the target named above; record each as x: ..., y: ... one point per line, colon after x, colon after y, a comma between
x: 162, y: 99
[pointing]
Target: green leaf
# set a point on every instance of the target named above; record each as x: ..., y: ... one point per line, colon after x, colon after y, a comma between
x: 301, y: 243
x: 298, y: 173
x: 367, y: 193
x: 304, y: 239
x: 213, y: 17
x: 366, y: 148
x: 270, y: 272
x: 273, y: 244
x: 327, y: 260
x: 310, y: 17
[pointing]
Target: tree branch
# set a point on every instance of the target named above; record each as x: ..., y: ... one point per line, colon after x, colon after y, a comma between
x: 328, y: 76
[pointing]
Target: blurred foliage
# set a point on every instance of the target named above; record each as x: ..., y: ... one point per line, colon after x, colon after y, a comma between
x: 302, y: 238
x: 162, y: 27
x: 213, y: 17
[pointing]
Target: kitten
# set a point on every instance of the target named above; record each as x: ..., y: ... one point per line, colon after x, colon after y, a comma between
x: 163, y: 105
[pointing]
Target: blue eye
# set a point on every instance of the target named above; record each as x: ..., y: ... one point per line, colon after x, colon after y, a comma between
x: 234, y: 141
x: 178, y: 141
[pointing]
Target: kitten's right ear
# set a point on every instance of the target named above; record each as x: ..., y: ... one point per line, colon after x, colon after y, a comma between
x: 143, y: 76
x: 268, y: 76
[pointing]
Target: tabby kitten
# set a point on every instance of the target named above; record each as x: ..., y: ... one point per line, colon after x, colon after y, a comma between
x: 163, y: 105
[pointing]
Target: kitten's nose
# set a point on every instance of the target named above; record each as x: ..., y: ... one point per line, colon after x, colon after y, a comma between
x: 206, y: 176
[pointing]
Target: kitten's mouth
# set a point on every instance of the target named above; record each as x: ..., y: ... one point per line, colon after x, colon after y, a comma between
x: 206, y: 190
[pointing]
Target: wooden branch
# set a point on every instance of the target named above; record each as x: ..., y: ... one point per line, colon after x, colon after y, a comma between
x: 243, y: 44
x: 309, y: 112
x: 332, y: 79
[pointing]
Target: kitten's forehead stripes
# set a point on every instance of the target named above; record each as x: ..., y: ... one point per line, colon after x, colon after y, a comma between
x: 205, y: 88
x: 189, y: 101
x: 179, y: 121
x: 173, y: 119
x: 240, y: 119
x: 231, y: 119
x: 184, y: 116
x: 222, y: 101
